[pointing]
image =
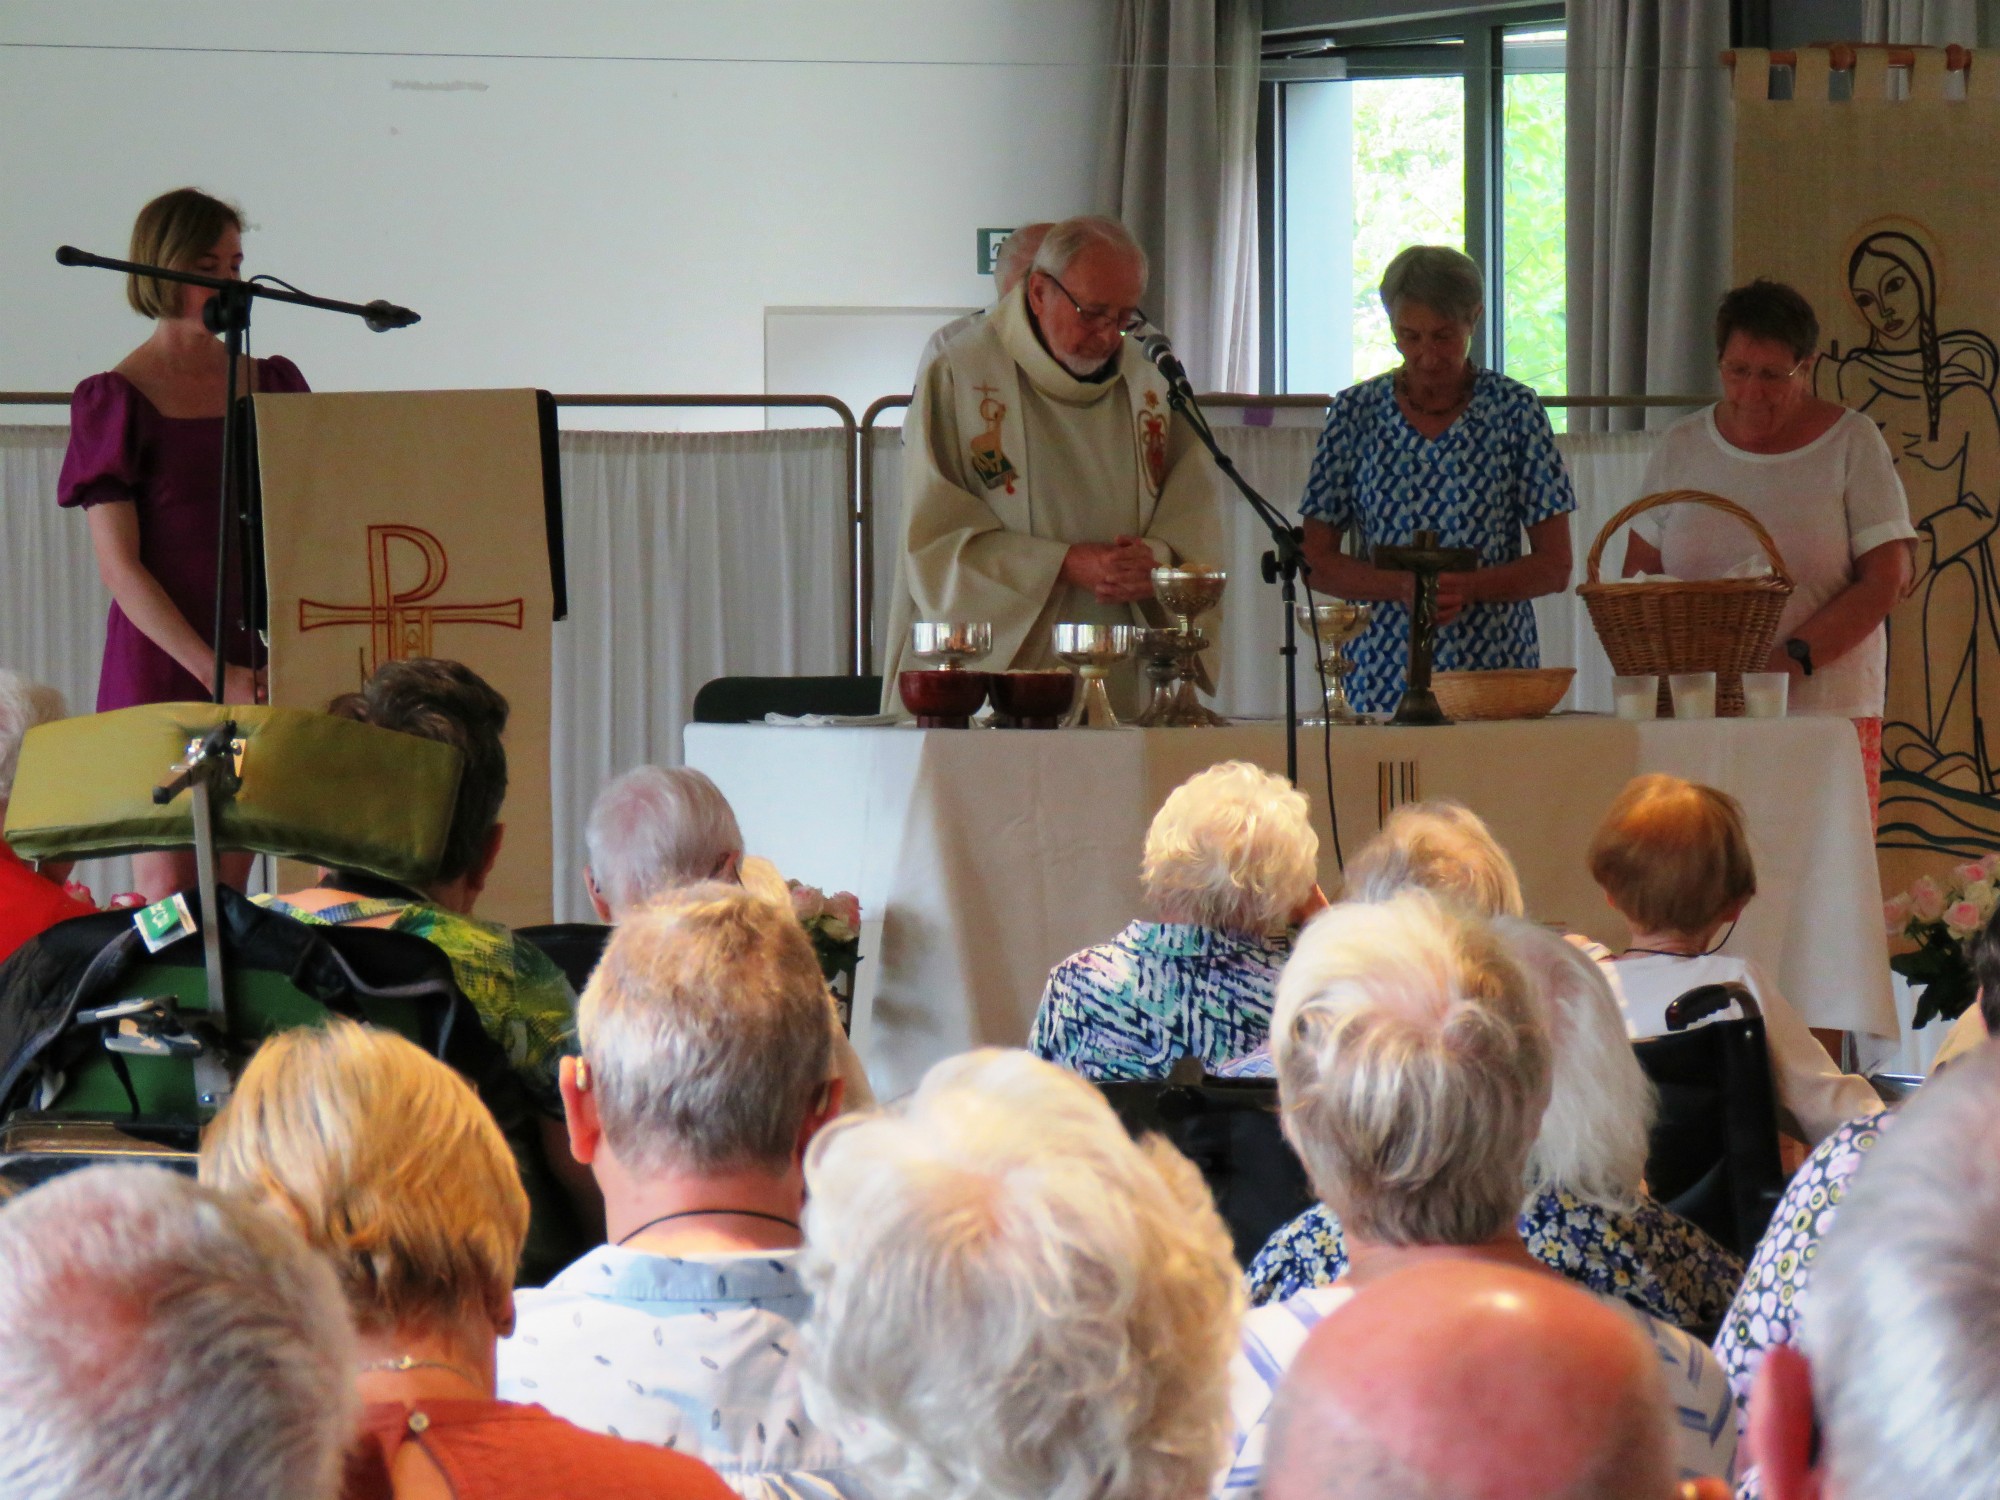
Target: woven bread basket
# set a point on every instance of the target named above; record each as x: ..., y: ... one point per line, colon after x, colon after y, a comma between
x: 1501, y: 692
x: 1719, y: 625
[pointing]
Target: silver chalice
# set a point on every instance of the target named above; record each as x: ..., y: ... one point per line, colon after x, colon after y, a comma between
x: 950, y: 644
x: 1335, y: 622
x: 1186, y: 593
x: 1093, y: 650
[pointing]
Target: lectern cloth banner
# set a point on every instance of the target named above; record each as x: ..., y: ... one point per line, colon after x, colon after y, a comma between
x: 411, y: 524
x: 1878, y: 209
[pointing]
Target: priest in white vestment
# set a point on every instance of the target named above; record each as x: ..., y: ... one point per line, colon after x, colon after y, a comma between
x: 1044, y: 475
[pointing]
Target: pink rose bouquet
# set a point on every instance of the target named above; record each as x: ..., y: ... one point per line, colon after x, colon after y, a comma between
x: 1937, y: 917
x: 833, y: 922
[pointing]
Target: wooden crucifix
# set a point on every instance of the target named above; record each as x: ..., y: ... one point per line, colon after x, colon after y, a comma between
x: 1426, y: 560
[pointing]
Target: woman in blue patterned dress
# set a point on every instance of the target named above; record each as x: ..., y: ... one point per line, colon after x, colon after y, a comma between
x: 1231, y: 865
x: 1438, y: 444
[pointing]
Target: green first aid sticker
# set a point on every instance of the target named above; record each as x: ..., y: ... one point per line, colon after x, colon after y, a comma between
x: 164, y: 922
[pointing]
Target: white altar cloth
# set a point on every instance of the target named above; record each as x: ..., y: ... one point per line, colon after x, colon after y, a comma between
x: 988, y: 856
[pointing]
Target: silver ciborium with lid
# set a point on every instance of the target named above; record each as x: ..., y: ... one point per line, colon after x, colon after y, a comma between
x: 1335, y: 622
x: 1187, y: 593
x: 1093, y: 650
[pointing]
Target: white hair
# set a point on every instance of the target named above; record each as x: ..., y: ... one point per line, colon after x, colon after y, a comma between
x: 23, y: 705
x: 1598, y: 1126
x: 160, y: 1341
x: 1232, y: 847
x: 654, y: 828
x: 1014, y: 1300
x: 1902, y: 1322
x: 1441, y: 847
x: 1413, y: 1069
x: 706, y: 1033
x: 1067, y: 240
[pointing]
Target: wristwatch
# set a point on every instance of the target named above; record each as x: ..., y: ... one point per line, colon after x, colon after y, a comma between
x: 1801, y: 653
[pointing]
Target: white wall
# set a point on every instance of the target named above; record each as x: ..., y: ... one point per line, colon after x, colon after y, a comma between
x: 581, y: 196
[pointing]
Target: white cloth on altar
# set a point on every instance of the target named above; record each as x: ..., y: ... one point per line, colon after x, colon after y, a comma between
x: 1008, y: 460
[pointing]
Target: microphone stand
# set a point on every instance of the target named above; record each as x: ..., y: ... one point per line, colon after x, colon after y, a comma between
x: 1282, y: 564
x: 228, y: 314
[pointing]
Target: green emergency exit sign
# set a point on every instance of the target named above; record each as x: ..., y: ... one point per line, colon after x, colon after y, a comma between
x: 990, y: 241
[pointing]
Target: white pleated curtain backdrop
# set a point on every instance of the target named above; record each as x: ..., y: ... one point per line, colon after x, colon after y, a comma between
x: 701, y: 555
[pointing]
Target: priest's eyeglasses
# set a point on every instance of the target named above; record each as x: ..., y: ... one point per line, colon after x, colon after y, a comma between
x: 1742, y: 374
x: 1124, y: 319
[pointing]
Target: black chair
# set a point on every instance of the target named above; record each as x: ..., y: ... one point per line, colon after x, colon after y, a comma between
x: 573, y: 947
x: 744, y: 700
x: 1229, y: 1129
x: 1713, y: 1157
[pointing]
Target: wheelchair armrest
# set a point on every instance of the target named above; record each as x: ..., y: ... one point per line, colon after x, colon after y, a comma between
x: 1703, y: 1001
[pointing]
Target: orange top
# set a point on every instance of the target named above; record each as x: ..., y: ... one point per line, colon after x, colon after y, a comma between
x: 497, y: 1450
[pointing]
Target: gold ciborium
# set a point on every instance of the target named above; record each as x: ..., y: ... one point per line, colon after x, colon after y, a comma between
x: 1093, y: 650
x: 1186, y: 593
x: 1335, y: 622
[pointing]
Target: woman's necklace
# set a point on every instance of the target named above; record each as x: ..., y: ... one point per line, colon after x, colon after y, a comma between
x: 705, y: 1213
x: 1710, y: 951
x: 404, y: 1363
x: 1459, y: 398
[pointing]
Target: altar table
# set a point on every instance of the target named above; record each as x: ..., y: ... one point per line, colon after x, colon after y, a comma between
x: 983, y: 857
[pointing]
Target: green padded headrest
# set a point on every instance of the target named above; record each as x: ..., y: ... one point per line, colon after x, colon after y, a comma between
x: 317, y: 788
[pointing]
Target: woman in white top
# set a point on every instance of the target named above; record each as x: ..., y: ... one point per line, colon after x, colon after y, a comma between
x: 1674, y: 859
x: 1820, y: 479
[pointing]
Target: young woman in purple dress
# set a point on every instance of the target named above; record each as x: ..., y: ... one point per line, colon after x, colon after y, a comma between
x: 145, y: 463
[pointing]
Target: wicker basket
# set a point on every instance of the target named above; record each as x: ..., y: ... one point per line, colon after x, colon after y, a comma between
x: 1719, y: 625
x: 1501, y: 692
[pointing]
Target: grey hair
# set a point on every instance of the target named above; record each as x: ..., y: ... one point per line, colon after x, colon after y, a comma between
x: 1445, y: 280
x: 1012, y: 1299
x: 1067, y: 240
x: 655, y: 828
x: 1413, y: 1068
x: 705, y: 1030
x: 161, y: 1341
x: 1441, y: 847
x: 1232, y: 847
x: 1902, y: 1323
x: 23, y: 704
x: 1597, y: 1128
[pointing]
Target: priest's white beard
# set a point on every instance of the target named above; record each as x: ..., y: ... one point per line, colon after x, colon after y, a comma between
x: 1085, y: 369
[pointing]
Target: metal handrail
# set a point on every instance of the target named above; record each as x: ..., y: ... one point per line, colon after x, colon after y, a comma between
x: 860, y: 643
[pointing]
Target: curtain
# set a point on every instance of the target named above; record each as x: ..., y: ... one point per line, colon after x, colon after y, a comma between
x: 1931, y: 23
x: 1648, y: 176
x: 690, y: 556
x: 1179, y: 167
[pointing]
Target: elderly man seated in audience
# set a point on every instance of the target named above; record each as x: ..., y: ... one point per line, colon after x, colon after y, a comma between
x: 1777, y: 1287
x: 1230, y: 866
x: 1458, y: 1380
x: 1674, y: 860
x: 658, y: 828
x: 391, y: 1167
x: 32, y: 900
x: 1897, y: 1392
x: 703, y: 1077
x: 159, y: 1341
x: 1413, y: 1070
x: 1012, y: 1299
x: 522, y: 998
x: 1587, y: 1213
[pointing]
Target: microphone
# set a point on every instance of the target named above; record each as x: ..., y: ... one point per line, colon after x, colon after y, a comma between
x: 383, y: 316
x: 1155, y: 347
x: 69, y: 255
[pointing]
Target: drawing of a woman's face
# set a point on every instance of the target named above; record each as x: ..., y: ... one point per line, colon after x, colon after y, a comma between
x: 1887, y: 294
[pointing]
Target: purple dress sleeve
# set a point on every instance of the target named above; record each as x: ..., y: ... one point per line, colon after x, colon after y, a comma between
x: 279, y: 375
x: 104, y: 460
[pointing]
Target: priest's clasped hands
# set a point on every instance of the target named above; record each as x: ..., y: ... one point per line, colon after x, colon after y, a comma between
x: 1117, y: 572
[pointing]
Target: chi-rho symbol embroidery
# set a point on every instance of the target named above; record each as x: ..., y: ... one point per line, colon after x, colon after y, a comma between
x: 401, y: 615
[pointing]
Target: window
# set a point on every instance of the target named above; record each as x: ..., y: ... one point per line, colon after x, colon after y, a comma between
x: 1379, y: 136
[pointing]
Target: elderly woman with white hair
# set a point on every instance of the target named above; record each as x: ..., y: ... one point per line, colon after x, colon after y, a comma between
x: 32, y: 898
x: 1586, y: 1212
x: 1012, y: 1299
x: 655, y: 829
x: 1230, y: 867
x: 1414, y: 1068
x: 1439, y: 444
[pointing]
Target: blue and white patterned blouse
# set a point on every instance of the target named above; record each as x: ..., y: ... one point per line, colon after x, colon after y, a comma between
x: 1159, y: 991
x: 1491, y: 474
x: 1650, y: 1258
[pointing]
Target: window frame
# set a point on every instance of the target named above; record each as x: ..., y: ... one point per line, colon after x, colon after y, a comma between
x: 1319, y: 40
